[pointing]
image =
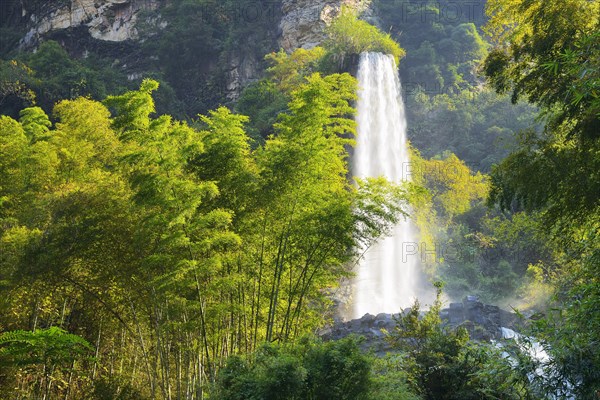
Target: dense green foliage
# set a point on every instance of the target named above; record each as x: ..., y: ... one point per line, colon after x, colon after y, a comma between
x: 504, y: 258
x: 478, y: 127
x: 172, y: 251
x: 48, y: 355
x: 50, y: 74
x: 347, y: 36
x: 264, y: 100
x: 441, y: 39
x: 179, y: 246
x: 560, y: 166
x: 549, y: 55
x: 442, y: 363
x: 310, y: 370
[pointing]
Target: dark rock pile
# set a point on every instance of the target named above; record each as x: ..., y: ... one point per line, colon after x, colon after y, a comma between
x: 482, y: 321
x: 373, y: 328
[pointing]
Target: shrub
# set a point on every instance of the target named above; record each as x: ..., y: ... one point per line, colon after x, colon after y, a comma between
x: 347, y: 35
x: 310, y: 370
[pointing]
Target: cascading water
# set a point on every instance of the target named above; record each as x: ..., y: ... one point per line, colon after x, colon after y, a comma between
x: 544, y: 373
x: 389, y: 275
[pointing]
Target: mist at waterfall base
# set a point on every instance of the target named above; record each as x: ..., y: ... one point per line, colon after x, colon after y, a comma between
x: 389, y: 276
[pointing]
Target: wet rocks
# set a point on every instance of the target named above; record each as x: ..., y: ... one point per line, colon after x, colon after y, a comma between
x: 373, y: 328
x: 482, y: 321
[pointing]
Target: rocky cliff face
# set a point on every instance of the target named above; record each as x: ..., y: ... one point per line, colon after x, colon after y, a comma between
x: 108, y: 20
x: 242, y: 70
x: 303, y: 21
x: 113, y: 25
x: 302, y: 25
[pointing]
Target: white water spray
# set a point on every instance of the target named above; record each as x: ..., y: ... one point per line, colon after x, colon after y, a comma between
x: 389, y: 276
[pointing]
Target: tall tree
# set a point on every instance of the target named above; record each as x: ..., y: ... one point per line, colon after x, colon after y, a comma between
x: 549, y: 53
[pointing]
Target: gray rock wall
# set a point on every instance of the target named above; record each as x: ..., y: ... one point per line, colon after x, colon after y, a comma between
x: 107, y: 20
x: 303, y: 21
x: 302, y: 24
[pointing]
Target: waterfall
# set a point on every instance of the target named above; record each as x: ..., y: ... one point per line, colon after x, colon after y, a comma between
x: 388, y: 277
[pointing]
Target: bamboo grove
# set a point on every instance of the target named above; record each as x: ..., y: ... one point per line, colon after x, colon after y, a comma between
x: 169, y: 246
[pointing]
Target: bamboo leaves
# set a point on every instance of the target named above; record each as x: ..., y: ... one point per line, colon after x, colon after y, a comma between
x: 183, y: 245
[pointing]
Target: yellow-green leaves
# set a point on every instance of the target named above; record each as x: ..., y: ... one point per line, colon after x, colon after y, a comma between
x: 35, y: 122
x: 348, y: 35
x: 133, y: 108
x: 452, y: 185
x: 84, y: 131
x: 184, y: 239
x: 378, y: 206
x: 289, y: 70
